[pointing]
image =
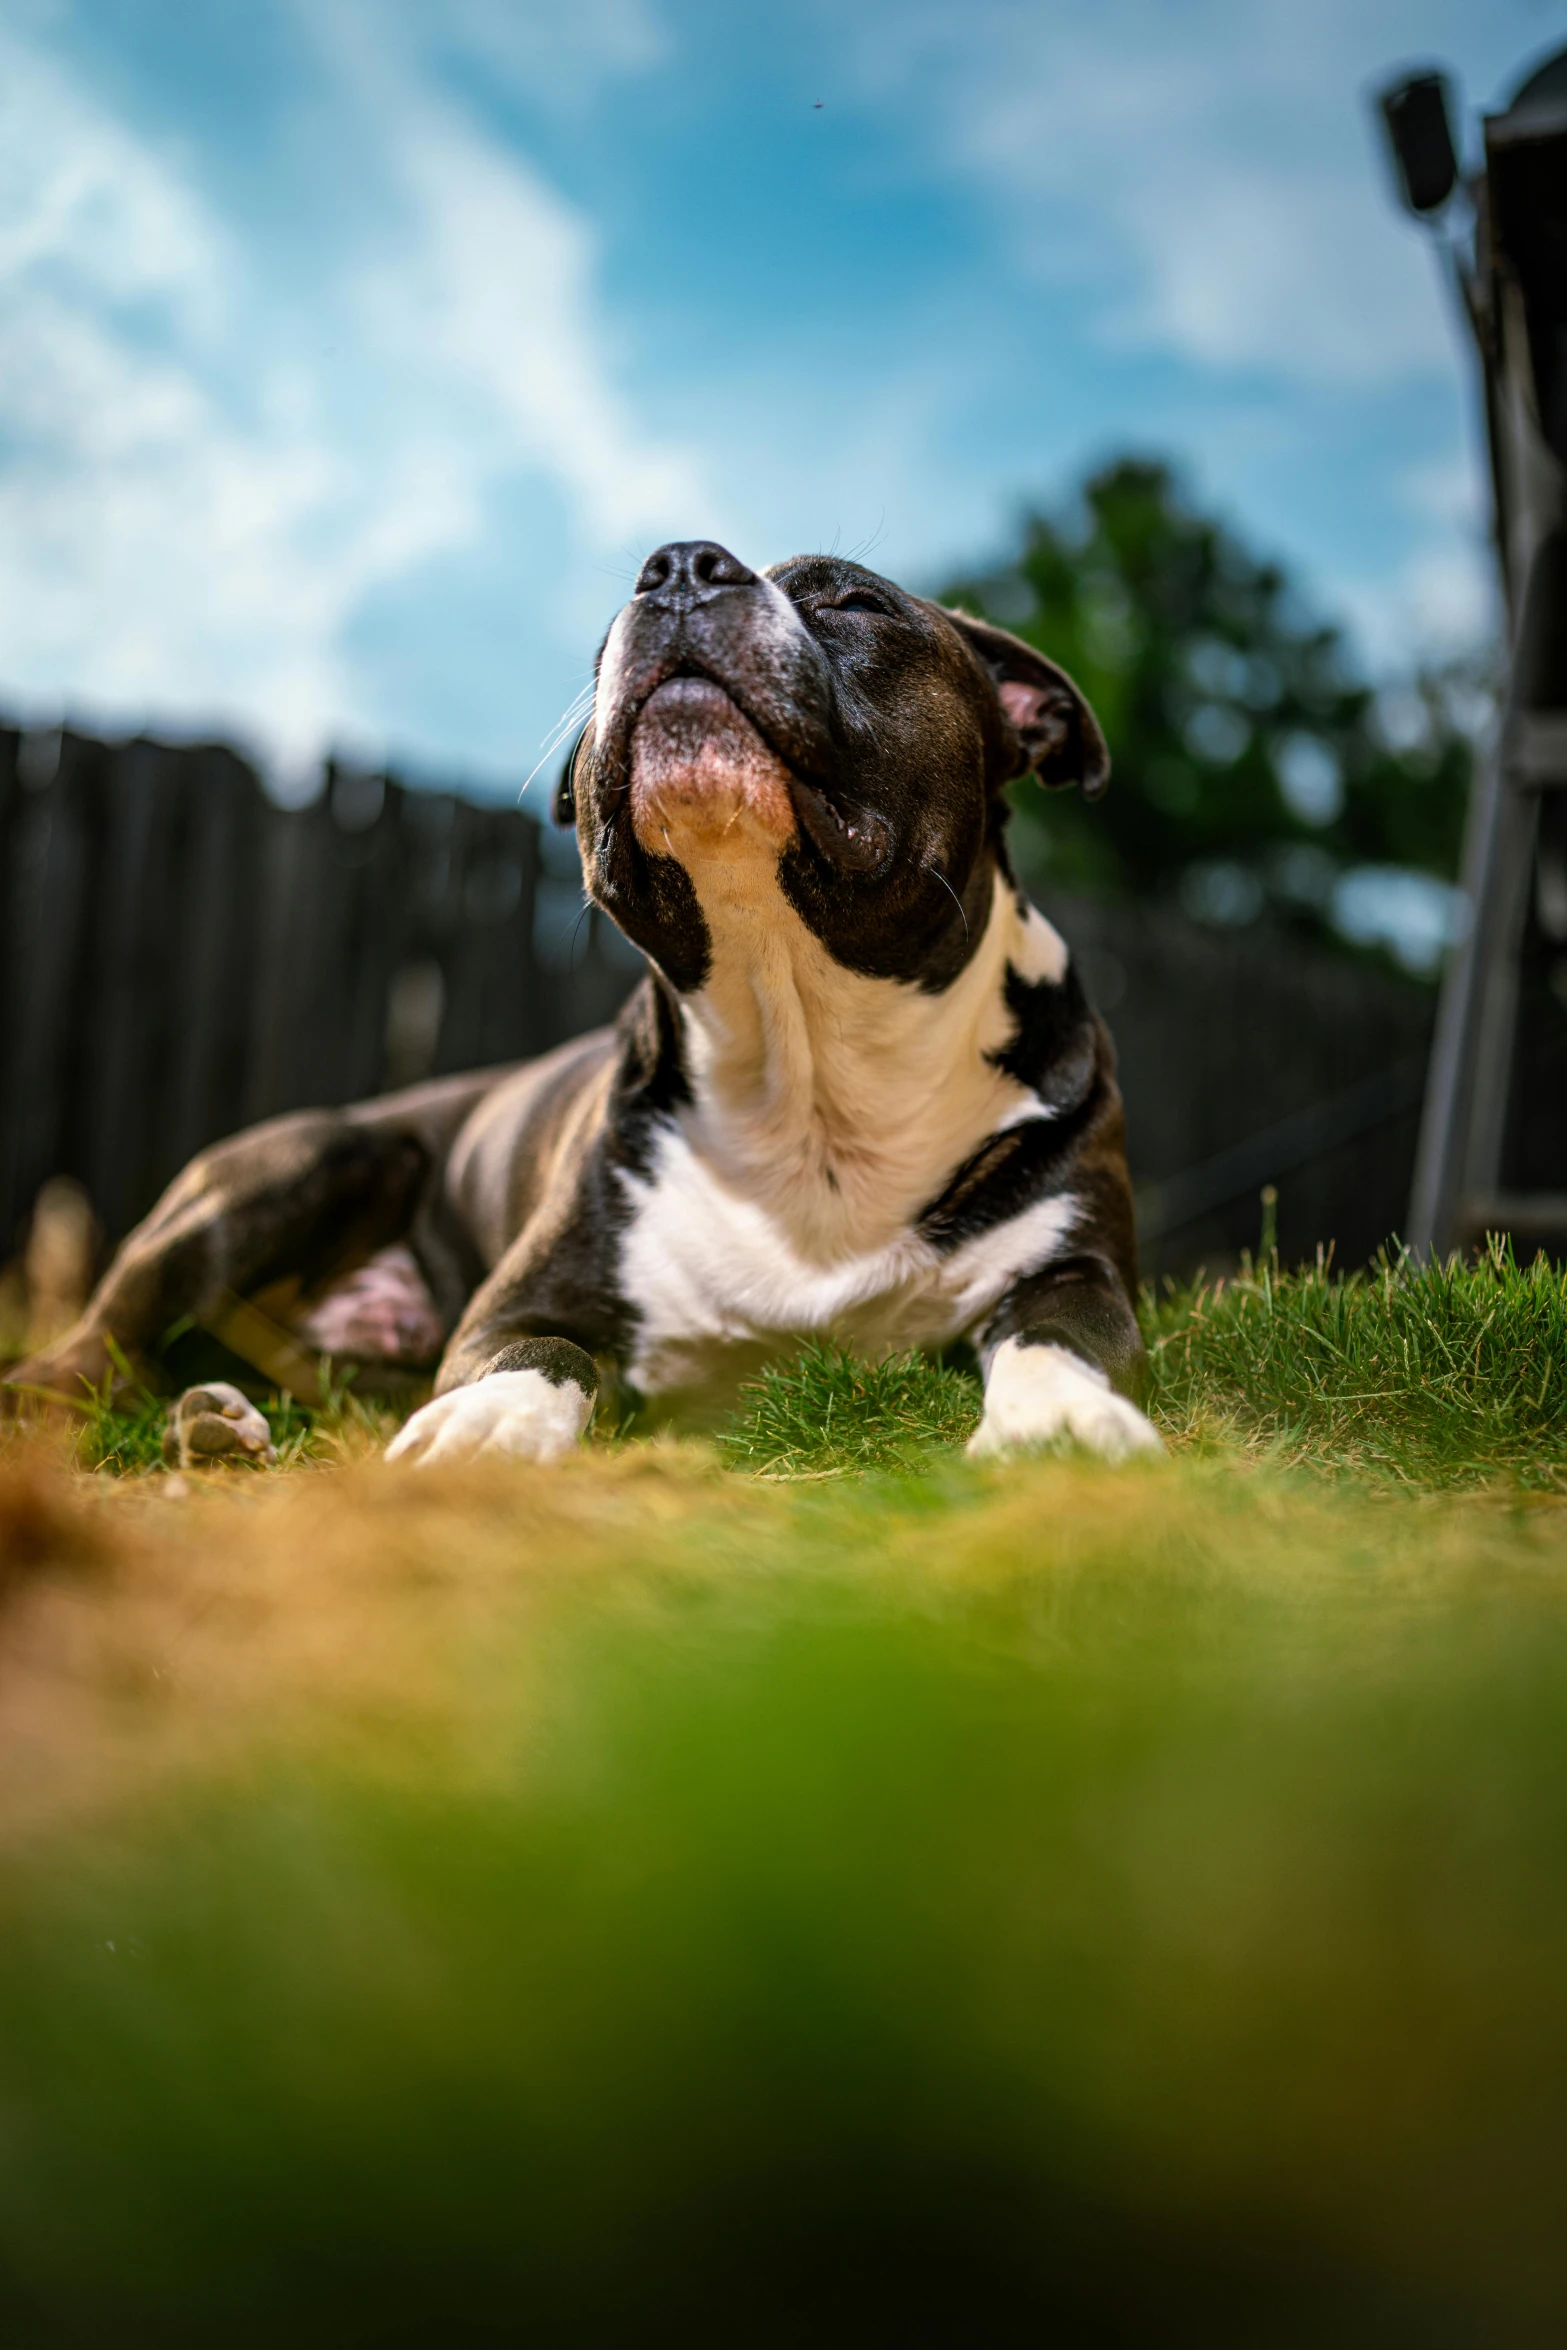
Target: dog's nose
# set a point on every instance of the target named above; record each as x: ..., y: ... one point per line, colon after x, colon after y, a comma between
x: 688, y: 571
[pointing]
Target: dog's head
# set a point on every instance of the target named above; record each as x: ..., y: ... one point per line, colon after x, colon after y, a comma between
x: 811, y: 730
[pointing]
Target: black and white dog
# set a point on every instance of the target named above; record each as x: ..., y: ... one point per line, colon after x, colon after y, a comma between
x: 859, y: 1093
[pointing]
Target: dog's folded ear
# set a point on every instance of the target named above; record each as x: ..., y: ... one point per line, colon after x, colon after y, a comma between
x: 1060, y: 736
x: 564, y: 805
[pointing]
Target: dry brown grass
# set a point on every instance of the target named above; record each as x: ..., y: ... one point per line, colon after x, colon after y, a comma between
x: 151, y: 1627
x: 145, y: 1630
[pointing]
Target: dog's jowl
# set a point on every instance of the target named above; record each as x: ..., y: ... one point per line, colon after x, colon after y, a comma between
x: 859, y: 1092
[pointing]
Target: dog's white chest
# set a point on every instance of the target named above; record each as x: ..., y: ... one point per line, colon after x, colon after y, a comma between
x: 719, y: 1287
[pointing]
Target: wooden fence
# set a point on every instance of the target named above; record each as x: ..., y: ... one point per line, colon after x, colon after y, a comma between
x: 1246, y: 1059
x: 180, y: 956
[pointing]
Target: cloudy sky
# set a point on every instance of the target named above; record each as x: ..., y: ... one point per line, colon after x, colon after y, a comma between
x: 352, y: 352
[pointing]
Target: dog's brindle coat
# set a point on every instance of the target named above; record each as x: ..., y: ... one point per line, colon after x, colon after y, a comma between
x: 860, y: 1091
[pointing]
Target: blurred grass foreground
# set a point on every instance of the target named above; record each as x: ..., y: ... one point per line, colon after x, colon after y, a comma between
x: 634, y: 1899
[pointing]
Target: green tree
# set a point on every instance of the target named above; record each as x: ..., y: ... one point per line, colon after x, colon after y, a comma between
x: 1254, y: 767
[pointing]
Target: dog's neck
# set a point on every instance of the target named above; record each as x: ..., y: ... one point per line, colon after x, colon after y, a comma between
x: 842, y: 1103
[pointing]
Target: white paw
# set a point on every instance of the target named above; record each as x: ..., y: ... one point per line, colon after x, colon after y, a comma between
x: 520, y: 1414
x: 1039, y: 1394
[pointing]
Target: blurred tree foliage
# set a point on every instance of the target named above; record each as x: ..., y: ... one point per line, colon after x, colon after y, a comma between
x: 1254, y: 767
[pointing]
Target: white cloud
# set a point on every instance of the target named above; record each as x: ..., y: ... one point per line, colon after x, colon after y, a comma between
x: 488, y: 312
x: 1440, y: 601
x: 203, y: 475
x: 1205, y: 184
x: 1448, y: 490
x: 81, y: 197
x: 226, y: 456
x: 565, y: 45
x: 1210, y: 171
x: 140, y: 530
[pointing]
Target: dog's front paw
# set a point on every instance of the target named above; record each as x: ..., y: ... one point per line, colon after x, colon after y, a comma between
x: 1038, y: 1395
x: 526, y: 1415
x: 215, y: 1424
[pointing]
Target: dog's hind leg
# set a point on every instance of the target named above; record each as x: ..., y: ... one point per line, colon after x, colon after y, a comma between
x: 301, y: 1198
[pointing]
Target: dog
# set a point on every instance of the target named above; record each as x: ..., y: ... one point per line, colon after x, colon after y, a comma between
x: 860, y: 1092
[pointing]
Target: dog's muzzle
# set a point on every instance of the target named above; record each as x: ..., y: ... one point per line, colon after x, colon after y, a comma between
x: 712, y: 688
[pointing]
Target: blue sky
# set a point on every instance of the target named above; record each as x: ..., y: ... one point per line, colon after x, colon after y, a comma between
x: 352, y: 352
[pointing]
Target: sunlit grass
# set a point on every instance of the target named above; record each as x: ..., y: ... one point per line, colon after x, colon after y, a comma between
x: 123, y: 1436
x: 828, y: 1413
x: 1426, y: 1374
x: 1432, y: 1375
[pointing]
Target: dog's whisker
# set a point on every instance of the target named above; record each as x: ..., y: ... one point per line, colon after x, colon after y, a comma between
x: 575, y: 709
x: 868, y: 545
x: 568, y: 727
x: 572, y: 719
x: 952, y: 894
x: 584, y: 693
x: 575, y: 712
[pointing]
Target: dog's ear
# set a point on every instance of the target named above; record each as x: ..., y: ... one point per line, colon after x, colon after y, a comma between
x: 1061, y: 739
x: 564, y: 805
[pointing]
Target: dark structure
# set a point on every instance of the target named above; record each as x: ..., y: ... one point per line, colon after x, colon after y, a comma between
x: 1247, y: 1059
x: 1493, y: 1145
x: 180, y: 957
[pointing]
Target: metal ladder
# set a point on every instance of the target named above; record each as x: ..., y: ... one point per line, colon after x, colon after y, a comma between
x: 1515, y: 882
x: 1492, y: 1093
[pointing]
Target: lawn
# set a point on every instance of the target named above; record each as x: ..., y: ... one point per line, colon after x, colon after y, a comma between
x: 810, y: 1888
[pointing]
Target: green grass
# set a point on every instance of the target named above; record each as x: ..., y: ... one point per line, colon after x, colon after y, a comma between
x: 124, y: 1437
x: 865, y: 1898
x: 1437, y: 1376
x: 827, y: 1414
x: 1428, y: 1376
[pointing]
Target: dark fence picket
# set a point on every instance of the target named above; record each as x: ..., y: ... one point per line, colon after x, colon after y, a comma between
x: 56, y: 829
x: 332, y: 904
x: 130, y: 1019
x: 10, y: 747
x: 477, y: 908
x: 168, y: 970
x: 216, y: 931
x: 280, y: 1070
